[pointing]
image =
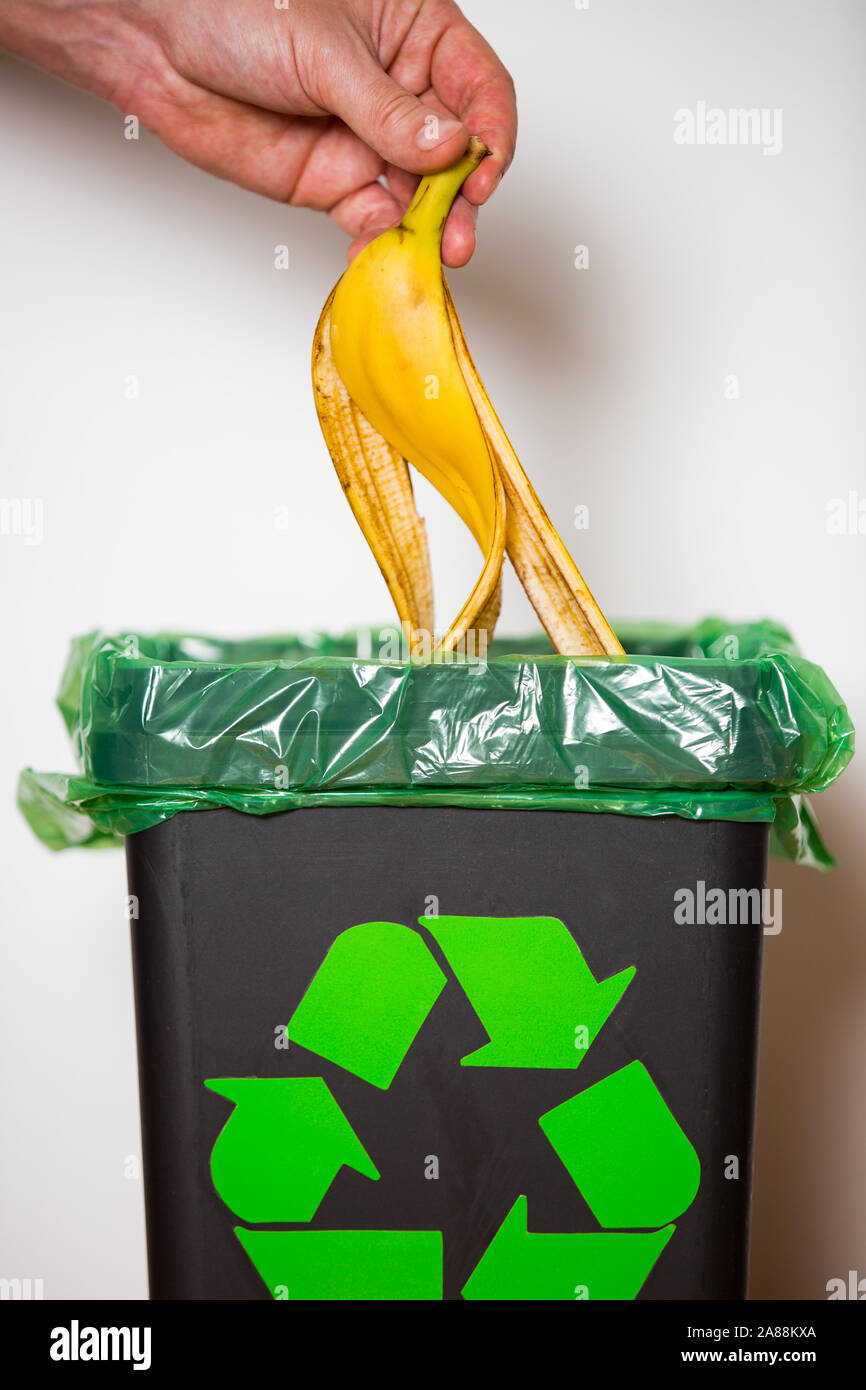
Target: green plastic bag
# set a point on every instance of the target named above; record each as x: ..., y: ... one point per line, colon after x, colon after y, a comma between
x: 718, y: 722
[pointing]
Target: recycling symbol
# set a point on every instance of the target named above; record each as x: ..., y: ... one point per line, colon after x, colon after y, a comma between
x: 536, y: 997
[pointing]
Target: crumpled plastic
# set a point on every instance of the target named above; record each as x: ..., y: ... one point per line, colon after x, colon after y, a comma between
x: 722, y: 722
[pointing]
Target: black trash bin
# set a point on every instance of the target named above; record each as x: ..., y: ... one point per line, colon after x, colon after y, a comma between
x: 236, y: 917
x: 453, y: 990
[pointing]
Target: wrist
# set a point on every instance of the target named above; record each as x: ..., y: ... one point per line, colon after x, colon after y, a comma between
x: 94, y: 44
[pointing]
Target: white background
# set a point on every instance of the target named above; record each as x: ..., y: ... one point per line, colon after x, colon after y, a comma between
x: 118, y: 259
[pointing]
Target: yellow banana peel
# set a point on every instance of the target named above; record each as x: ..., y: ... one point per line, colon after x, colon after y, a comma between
x: 394, y: 383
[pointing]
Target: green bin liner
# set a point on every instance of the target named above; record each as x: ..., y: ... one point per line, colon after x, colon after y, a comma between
x: 721, y: 721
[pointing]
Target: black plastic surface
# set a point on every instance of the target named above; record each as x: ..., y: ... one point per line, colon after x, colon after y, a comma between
x: 236, y: 914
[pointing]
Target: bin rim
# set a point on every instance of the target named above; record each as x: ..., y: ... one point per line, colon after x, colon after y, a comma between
x: 723, y: 721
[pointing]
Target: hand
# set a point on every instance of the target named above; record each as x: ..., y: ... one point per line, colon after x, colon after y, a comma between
x: 306, y: 101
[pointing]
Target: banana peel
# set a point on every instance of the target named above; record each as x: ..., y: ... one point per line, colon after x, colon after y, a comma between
x: 394, y: 381
x: 378, y: 487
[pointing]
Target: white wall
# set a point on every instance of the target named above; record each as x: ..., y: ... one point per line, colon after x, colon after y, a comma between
x: 705, y: 262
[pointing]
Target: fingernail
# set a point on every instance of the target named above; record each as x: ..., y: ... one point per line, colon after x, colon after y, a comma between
x: 435, y: 131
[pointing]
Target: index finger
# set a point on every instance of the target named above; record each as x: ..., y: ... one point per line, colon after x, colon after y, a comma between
x: 471, y: 81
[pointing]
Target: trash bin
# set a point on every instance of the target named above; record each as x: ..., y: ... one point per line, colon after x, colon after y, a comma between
x: 453, y: 992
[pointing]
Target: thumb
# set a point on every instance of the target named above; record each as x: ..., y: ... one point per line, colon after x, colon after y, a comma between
x: 391, y: 121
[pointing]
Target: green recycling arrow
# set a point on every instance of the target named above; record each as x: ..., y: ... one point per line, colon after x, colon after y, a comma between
x: 333, y: 1265
x: 542, y: 1007
x: 519, y: 1265
x: 368, y: 999
x: 625, y: 1151
x: 281, y: 1147
x: 528, y: 982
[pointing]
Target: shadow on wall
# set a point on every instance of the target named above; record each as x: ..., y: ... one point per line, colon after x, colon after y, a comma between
x: 527, y: 311
x: 811, y: 1127
x: 504, y: 305
x: 142, y: 178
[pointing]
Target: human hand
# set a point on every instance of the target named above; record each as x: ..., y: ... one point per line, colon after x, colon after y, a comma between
x: 310, y: 102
